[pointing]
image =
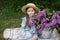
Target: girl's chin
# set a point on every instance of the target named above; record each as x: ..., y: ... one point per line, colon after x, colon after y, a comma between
x: 30, y: 16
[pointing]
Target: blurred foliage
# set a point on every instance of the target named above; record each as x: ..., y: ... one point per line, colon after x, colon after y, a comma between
x: 12, y: 8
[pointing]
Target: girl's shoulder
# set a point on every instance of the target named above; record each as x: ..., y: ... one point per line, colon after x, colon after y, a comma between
x: 23, y: 17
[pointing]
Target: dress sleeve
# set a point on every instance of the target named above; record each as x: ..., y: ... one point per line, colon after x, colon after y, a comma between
x: 23, y: 24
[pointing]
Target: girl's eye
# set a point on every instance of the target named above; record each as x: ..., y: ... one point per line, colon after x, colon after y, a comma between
x: 28, y: 11
x: 32, y: 10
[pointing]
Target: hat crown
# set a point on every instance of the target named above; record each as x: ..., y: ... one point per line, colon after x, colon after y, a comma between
x: 31, y: 4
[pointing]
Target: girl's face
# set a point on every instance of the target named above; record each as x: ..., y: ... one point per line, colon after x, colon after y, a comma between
x: 30, y: 12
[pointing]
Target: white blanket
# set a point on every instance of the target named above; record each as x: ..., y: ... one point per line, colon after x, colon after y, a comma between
x: 12, y: 33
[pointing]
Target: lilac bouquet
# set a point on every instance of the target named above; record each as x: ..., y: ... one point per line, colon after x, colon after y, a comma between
x: 43, y: 19
x: 58, y: 17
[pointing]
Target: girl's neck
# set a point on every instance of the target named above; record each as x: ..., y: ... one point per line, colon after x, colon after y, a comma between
x: 30, y: 17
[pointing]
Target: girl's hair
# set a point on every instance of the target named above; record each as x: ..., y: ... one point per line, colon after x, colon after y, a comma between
x: 27, y: 17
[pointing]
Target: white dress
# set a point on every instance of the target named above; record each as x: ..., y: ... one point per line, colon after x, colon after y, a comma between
x: 28, y: 32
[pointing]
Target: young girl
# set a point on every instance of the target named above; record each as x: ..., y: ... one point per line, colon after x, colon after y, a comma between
x: 27, y: 30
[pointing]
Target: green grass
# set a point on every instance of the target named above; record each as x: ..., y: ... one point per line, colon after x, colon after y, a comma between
x: 12, y: 23
x: 1, y: 37
x: 9, y: 24
x: 9, y: 19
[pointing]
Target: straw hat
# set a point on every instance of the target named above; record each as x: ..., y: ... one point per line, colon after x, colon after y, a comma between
x: 30, y: 5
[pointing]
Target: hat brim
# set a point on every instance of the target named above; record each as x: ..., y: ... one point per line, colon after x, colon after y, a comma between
x: 26, y: 6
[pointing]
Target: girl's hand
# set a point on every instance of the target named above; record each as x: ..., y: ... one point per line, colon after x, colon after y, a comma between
x: 34, y: 38
x: 23, y: 36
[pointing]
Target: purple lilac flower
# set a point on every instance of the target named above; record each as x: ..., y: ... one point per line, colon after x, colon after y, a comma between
x: 32, y: 22
x: 40, y: 31
x: 53, y: 22
x: 58, y: 17
x: 54, y: 16
x: 43, y: 20
x: 58, y: 12
x: 50, y: 24
x: 58, y: 21
x: 40, y: 14
x: 40, y: 28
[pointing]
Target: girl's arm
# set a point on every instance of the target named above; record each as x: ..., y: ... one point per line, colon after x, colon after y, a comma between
x: 23, y: 24
x: 34, y: 38
x: 34, y: 33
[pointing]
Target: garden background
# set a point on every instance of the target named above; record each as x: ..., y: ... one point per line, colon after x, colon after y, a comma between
x: 11, y: 14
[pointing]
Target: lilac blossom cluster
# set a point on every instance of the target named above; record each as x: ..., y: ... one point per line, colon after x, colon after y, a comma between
x: 55, y: 19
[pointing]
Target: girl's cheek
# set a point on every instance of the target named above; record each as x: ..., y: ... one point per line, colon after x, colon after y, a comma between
x: 33, y: 13
x: 28, y: 13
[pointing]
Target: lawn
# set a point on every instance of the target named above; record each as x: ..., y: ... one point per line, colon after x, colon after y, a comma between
x: 12, y: 23
x: 9, y: 19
